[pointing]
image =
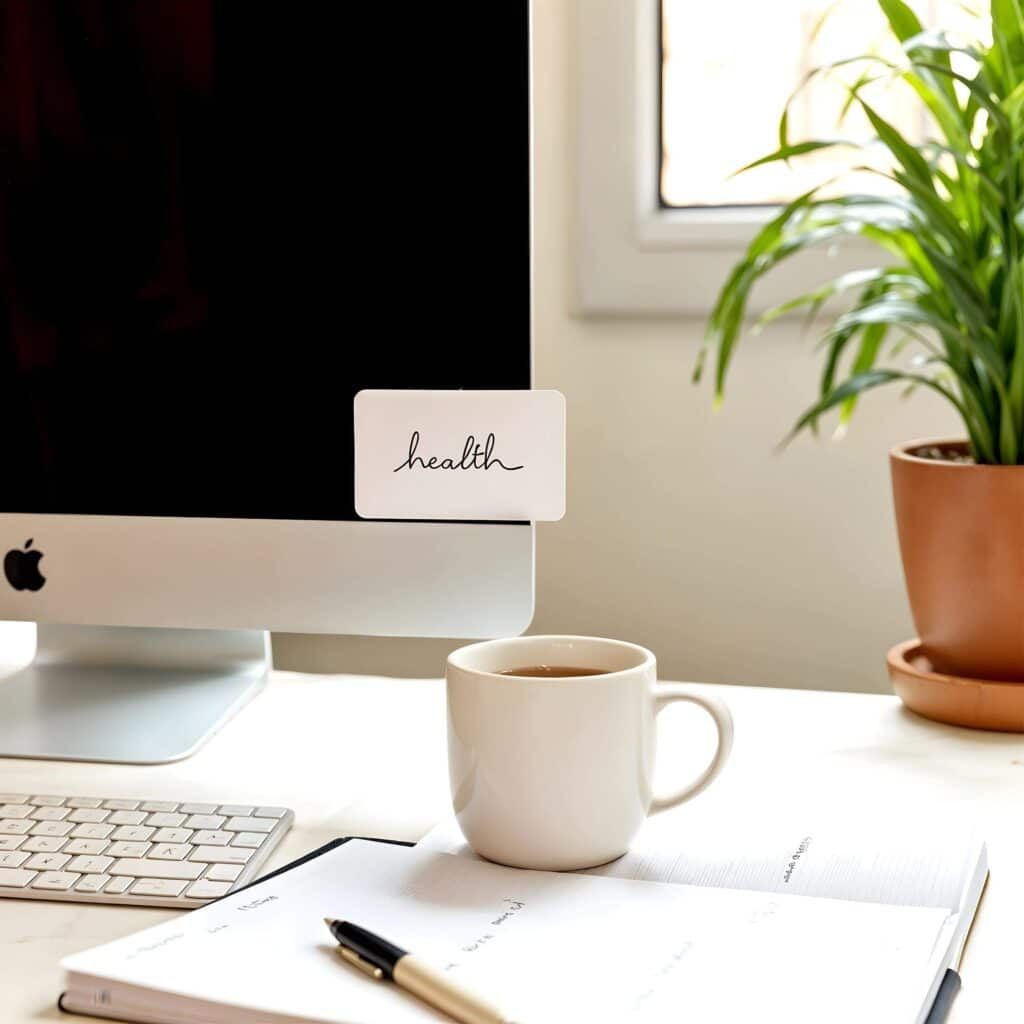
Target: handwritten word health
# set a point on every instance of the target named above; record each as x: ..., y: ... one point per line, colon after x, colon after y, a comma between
x: 474, y: 456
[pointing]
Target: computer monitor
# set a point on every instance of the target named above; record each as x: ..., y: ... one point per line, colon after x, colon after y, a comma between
x: 218, y: 222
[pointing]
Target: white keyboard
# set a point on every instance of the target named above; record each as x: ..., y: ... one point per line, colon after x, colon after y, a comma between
x: 155, y: 853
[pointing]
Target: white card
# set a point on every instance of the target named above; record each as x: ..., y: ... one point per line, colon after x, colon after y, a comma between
x: 470, y: 455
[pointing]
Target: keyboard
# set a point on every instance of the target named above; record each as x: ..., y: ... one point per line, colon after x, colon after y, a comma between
x: 154, y: 853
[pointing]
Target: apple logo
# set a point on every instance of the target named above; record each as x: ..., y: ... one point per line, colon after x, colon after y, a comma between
x: 21, y: 567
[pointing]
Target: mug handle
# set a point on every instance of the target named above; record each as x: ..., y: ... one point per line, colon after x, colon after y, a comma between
x: 670, y: 693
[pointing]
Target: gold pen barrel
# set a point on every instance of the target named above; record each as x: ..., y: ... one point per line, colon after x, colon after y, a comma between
x: 445, y: 994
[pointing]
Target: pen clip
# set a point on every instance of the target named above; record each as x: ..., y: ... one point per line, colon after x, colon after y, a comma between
x: 357, y: 961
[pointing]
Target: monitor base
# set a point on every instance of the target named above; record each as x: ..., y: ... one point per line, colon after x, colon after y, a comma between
x: 128, y: 695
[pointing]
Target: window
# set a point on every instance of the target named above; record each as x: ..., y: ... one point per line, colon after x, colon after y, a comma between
x: 674, y: 97
x: 746, y: 77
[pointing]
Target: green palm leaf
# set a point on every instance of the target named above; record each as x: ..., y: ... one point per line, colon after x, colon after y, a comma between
x: 951, y: 291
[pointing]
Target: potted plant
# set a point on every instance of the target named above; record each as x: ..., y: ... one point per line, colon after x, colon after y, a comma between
x: 943, y: 309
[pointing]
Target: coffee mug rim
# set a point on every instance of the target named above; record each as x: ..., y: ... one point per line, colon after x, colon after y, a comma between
x: 647, y: 658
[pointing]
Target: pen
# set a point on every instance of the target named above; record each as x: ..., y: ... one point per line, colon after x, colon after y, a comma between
x: 382, y: 960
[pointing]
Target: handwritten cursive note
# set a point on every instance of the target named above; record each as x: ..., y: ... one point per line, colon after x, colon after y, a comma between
x: 466, y: 455
x: 474, y: 456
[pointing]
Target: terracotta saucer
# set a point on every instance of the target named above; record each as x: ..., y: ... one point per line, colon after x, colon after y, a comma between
x: 976, y: 703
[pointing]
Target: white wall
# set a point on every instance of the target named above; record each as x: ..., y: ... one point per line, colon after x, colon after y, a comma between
x: 685, y: 531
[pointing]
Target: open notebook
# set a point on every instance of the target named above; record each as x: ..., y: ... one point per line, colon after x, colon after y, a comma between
x: 906, y: 862
x: 548, y: 947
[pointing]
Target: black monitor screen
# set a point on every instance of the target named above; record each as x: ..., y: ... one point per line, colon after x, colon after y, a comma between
x: 220, y: 220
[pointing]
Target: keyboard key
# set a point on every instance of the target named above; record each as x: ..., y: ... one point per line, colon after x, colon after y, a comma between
x: 15, y: 878
x: 234, y: 810
x: 92, y: 831
x: 173, y: 835
x: 48, y: 861
x: 127, y: 818
x: 14, y: 826
x: 57, y: 828
x: 158, y: 805
x: 13, y: 798
x: 164, y: 819
x: 49, y: 814
x: 221, y: 854
x: 43, y: 844
x: 121, y: 805
x: 92, y: 883
x: 10, y: 843
x: 88, y: 814
x: 205, y: 821
x: 60, y: 881
x: 15, y: 810
x: 13, y: 859
x: 166, y: 851
x: 135, y: 833
x: 116, y: 886
x: 47, y: 801
x: 207, y: 838
x: 139, y: 867
x: 253, y: 840
x: 128, y: 849
x: 271, y: 812
x: 250, y: 825
x: 157, y: 887
x: 223, y: 872
x: 90, y: 865
x: 204, y: 889
x: 83, y: 801
x: 86, y: 846
x: 198, y: 808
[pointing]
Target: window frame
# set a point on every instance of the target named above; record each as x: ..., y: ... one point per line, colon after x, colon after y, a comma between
x: 635, y: 256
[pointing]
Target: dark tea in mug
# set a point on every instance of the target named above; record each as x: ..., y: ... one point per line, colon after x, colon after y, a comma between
x: 552, y: 671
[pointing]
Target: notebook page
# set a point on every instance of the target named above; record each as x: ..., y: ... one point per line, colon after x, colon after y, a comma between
x: 868, y: 861
x: 549, y: 948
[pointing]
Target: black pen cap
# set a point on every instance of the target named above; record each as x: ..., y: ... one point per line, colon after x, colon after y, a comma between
x: 372, y: 948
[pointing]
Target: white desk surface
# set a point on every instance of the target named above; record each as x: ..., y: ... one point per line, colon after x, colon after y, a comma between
x: 365, y: 756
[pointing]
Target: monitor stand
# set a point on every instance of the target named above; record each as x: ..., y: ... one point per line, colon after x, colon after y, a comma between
x: 128, y: 695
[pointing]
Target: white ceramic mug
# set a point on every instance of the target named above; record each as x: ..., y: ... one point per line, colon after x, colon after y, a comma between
x: 555, y: 773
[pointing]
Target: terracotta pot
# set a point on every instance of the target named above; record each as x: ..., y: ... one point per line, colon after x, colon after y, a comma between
x: 961, y: 530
